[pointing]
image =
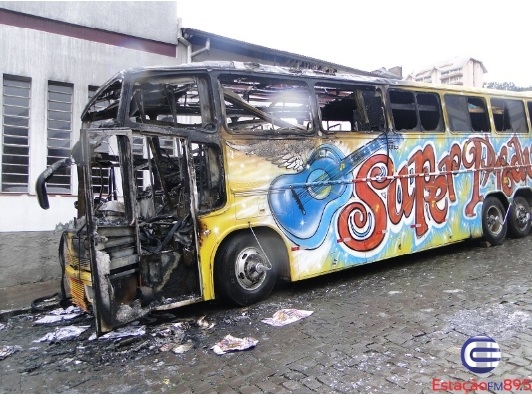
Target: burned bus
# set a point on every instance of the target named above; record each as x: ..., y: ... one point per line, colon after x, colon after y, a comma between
x: 214, y: 180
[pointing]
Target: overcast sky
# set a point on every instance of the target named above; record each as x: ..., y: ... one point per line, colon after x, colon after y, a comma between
x: 372, y: 34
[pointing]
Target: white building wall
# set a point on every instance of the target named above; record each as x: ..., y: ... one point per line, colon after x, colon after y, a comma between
x: 156, y: 20
x: 478, y: 74
x: 50, y: 57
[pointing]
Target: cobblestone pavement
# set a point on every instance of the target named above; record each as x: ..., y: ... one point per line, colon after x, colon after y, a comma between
x: 389, y: 327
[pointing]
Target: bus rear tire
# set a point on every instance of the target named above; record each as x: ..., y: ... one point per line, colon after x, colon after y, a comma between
x: 493, y: 225
x: 241, y: 273
x: 519, y: 218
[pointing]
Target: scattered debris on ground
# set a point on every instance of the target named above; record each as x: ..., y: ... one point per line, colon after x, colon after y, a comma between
x: 132, y: 330
x: 59, y: 315
x: 286, y: 316
x: 74, y: 338
x: 231, y: 343
x: 6, y: 351
x: 204, y: 324
x: 65, y: 333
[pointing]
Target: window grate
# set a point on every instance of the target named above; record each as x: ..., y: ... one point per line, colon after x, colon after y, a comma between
x: 15, y: 134
x: 59, y: 131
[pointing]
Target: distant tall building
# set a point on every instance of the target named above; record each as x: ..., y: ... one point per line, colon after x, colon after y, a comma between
x: 457, y: 71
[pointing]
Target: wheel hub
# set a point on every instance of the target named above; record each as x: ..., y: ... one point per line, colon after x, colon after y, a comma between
x: 522, y: 216
x: 250, y: 268
x: 494, y: 221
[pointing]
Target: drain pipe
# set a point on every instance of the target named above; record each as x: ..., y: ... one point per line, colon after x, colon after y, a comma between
x: 184, y: 41
x: 187, y: 44
x: 206, y: 48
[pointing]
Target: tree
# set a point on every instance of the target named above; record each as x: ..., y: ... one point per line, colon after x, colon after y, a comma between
x: 506, y: 86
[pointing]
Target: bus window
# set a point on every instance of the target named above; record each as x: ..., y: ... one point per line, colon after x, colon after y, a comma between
x: 260, y: 104
x: 529, y: 106
x: 348, y: 109
x: 161, y: 175
x: 467, y: 113
x: 415, y: 110
x: 103, y: 110
x: 169, y: 102
x: 509, y: 115
x: 428, y: 106
x: 209, y: 176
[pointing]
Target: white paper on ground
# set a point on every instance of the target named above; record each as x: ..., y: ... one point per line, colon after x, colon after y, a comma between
x: 286, y: 316
x: 231, y: 343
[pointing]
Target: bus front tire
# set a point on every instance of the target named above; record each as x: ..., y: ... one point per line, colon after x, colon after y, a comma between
x: 244, y: 271
x: 493, y: 225
x: 519, y: 218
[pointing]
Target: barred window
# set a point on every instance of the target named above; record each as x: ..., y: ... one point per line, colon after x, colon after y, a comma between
x: 15, y: 134
x: 59, y: 122
x: 99, y: 173
x: 138, y: 155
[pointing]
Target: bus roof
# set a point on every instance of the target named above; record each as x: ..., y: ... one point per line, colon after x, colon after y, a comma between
x: 307, y: 73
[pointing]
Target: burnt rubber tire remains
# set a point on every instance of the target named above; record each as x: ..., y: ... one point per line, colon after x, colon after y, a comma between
x: 239, y: 268
x: 519, y: 218
x: 493, y: 227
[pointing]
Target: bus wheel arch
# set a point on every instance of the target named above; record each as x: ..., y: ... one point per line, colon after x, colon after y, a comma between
x: 519, y: 223
x: 494, y: 227
x: 247, y: 265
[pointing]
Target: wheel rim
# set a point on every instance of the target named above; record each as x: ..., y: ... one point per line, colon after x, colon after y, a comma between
x: 495, y: 217
x: 249, y: 268
x: 521, y: 217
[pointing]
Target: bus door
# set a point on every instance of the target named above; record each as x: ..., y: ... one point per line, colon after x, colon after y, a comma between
x: 140, y: 224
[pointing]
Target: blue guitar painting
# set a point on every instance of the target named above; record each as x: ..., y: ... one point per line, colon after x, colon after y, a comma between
x: 304, y: 203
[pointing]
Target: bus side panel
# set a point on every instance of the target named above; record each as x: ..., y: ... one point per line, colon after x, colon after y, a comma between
x: 421, y: 193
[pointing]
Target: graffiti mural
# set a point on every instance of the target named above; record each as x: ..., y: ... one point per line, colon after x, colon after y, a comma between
x: 303, y: 203
x: 424, y: 189
x: 392, y: 194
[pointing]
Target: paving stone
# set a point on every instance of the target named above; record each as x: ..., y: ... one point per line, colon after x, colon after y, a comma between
x: 10, y: 383
x: 221, y: 389
x: 249, y: 389
x: 181, y: 389
x: 294, y: 375
x: 298, y: 367
x: 328, y: 380
x: 399, y: 380
x: 291, y: 385
x: 311, y: 383
x: 202, y: 387
x: 520, y: 361
x: 267, y: 386
x: 521, y: 371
